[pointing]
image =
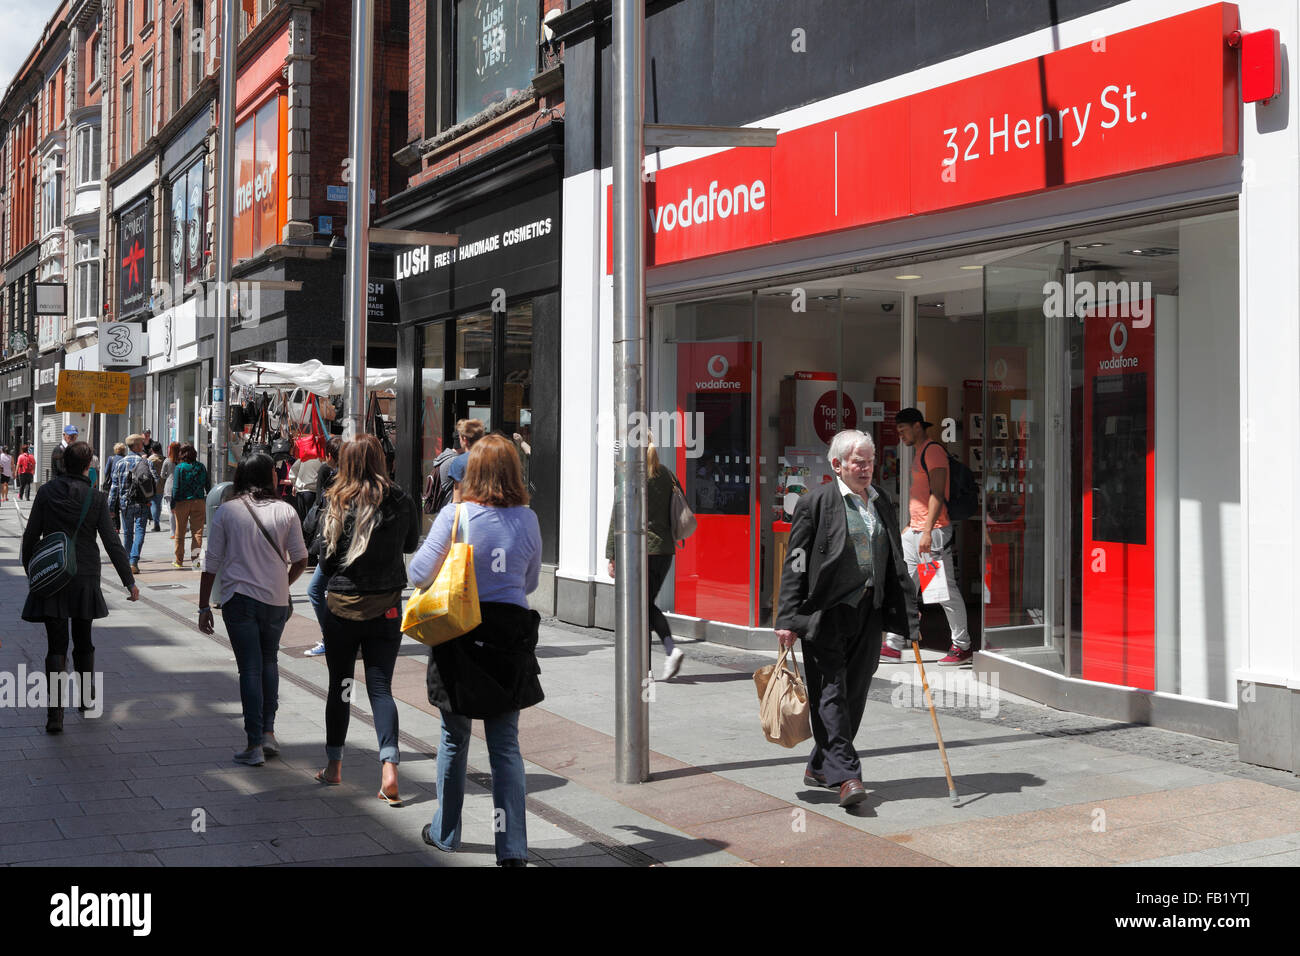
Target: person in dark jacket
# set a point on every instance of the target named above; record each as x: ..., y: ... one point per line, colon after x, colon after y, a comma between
x: 844, y: 579
x: 369, y: 524
x: 660, y: 547
x: 490, y: 673
x: 57, y: 465
x: 58, y: 507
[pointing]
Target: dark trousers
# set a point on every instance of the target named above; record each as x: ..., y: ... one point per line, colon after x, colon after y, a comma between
x: 25, y: 487
x: 254, y: 629
x: 379, y: 640
x: 657, y: 572
x: 838, y: 665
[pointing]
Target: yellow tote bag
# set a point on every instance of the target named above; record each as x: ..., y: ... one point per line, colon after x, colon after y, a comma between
x: 449, y: 607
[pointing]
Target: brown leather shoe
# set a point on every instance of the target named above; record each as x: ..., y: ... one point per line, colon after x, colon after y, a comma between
x: 813, y: 779
x: 852, y: 792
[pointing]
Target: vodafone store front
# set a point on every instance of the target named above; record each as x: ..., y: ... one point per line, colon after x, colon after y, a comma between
x: 1061, y: 250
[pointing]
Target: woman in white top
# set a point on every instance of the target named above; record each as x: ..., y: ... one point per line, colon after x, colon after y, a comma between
x: 255, y: 544
x: 6, y: 472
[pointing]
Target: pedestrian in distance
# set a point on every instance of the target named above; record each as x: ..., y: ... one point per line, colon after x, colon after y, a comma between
x: 6, y: 472
x: 660, y: 547
x: 844, y: 579
x: 311, y: 533
x: 929, y: 534
x: 190, y: 485
x: 490, y: 673
x: 132, y: 493
x: 255, y: 544
x: 56, y: 456
x: 60, y: 506
x: 468, y: 433
x: 26, y: 473
x: 172, y: 459
x: 156, y: 460
x: 119, y: 452
x: 368, y: 525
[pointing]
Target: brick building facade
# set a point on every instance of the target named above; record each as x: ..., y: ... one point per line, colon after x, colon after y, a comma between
x: 479, y: 329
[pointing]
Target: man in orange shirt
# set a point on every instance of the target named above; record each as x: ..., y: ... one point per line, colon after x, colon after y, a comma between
x: 929, y: 533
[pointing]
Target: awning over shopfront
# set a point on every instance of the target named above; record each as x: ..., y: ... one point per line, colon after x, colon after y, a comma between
x: 324, y: 380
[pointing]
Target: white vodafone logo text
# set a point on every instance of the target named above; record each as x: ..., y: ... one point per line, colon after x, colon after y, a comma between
x: 704, y: 208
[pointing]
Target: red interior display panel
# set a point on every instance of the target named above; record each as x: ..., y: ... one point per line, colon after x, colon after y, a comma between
x: 712, y: 567
x: 1118, y: 558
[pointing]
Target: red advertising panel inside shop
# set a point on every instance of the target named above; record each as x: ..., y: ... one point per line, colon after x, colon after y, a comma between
x: 1118, y: 559
x: 712, y: 566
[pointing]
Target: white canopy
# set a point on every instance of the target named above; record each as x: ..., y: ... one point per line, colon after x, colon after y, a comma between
x: 324, y: 380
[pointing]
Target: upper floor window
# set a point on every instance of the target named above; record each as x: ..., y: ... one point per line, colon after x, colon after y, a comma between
x: 197, y: 33
x: 496, y: 52
x: 146, y: 9
x: 94, y: 68
x: 53, y: 198
x: 128, y: 119
x: 87, y: 155
x: 178, y: 64
x: 146, y: 101
x: 127, y: 22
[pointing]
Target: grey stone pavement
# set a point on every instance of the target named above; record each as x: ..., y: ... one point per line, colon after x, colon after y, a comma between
x: 151, y: 781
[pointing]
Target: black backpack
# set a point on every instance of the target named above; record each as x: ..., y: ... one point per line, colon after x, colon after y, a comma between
x: 438, y: 488
x: 964, y: 497
x: 140, y: 483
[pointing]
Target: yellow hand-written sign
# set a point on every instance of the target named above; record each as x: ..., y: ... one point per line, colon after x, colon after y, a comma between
x: 101, y: 392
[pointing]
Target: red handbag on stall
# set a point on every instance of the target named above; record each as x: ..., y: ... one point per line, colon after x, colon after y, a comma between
x: 313, y: 445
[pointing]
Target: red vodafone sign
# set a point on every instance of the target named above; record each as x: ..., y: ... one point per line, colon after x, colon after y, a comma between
x: 1155, y: 96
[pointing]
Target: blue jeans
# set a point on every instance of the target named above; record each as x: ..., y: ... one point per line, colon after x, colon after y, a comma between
x: 135, y: 521
x: 254, y: 630
x: 316, y: 594
x: 508, y: 785
x: 379, y: 640
x: 155, y: 508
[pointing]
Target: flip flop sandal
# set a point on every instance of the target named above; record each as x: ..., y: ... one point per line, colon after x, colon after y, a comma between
x: 321, y: 778
x: 391, y: 801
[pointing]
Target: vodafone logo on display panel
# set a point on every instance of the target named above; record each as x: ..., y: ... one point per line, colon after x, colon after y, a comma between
x: 1158, y: 95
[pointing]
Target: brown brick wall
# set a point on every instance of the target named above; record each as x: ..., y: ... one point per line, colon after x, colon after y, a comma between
x: 478, y: 142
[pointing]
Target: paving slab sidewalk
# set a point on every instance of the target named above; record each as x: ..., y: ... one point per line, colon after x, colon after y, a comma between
x: 1035, y: 786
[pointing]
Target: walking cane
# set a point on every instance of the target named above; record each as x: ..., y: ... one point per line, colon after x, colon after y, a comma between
x: 925, y: 685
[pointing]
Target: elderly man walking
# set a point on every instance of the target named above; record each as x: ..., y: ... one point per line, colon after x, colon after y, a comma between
x: 844, y: 581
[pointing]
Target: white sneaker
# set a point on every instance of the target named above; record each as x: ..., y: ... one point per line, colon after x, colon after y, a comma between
x: 673, y: 664
x: 316, y: 651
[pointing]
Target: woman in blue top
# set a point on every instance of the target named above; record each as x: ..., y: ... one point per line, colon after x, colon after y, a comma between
x: 491, y: 672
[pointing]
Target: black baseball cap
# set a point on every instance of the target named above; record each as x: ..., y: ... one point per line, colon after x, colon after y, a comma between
x: 912, y: 416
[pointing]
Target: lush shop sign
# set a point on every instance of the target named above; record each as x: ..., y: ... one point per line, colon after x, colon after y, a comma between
x: 1154, y: 96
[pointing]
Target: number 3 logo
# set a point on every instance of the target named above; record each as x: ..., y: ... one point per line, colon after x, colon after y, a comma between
x: 120, y: 344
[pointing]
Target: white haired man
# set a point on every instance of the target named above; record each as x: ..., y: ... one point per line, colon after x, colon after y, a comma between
x: 844, y: 582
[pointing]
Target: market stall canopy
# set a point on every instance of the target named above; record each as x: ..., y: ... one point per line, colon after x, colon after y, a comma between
x: 324, y: 380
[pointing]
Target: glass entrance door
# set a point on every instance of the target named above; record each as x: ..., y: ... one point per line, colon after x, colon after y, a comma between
x: 1026, y: 471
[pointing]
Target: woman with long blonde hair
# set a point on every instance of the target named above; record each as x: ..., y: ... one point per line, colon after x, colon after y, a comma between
x: 369, y: 523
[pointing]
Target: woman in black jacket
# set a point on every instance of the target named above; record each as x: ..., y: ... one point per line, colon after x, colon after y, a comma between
x: 369, y: 524
x: 71, y: 609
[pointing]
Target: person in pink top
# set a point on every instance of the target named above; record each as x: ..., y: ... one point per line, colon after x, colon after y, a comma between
x: 929, y: 534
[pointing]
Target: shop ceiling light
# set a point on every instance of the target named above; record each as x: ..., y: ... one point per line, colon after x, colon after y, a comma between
x: 907, y: 277
x: 971, y: 268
